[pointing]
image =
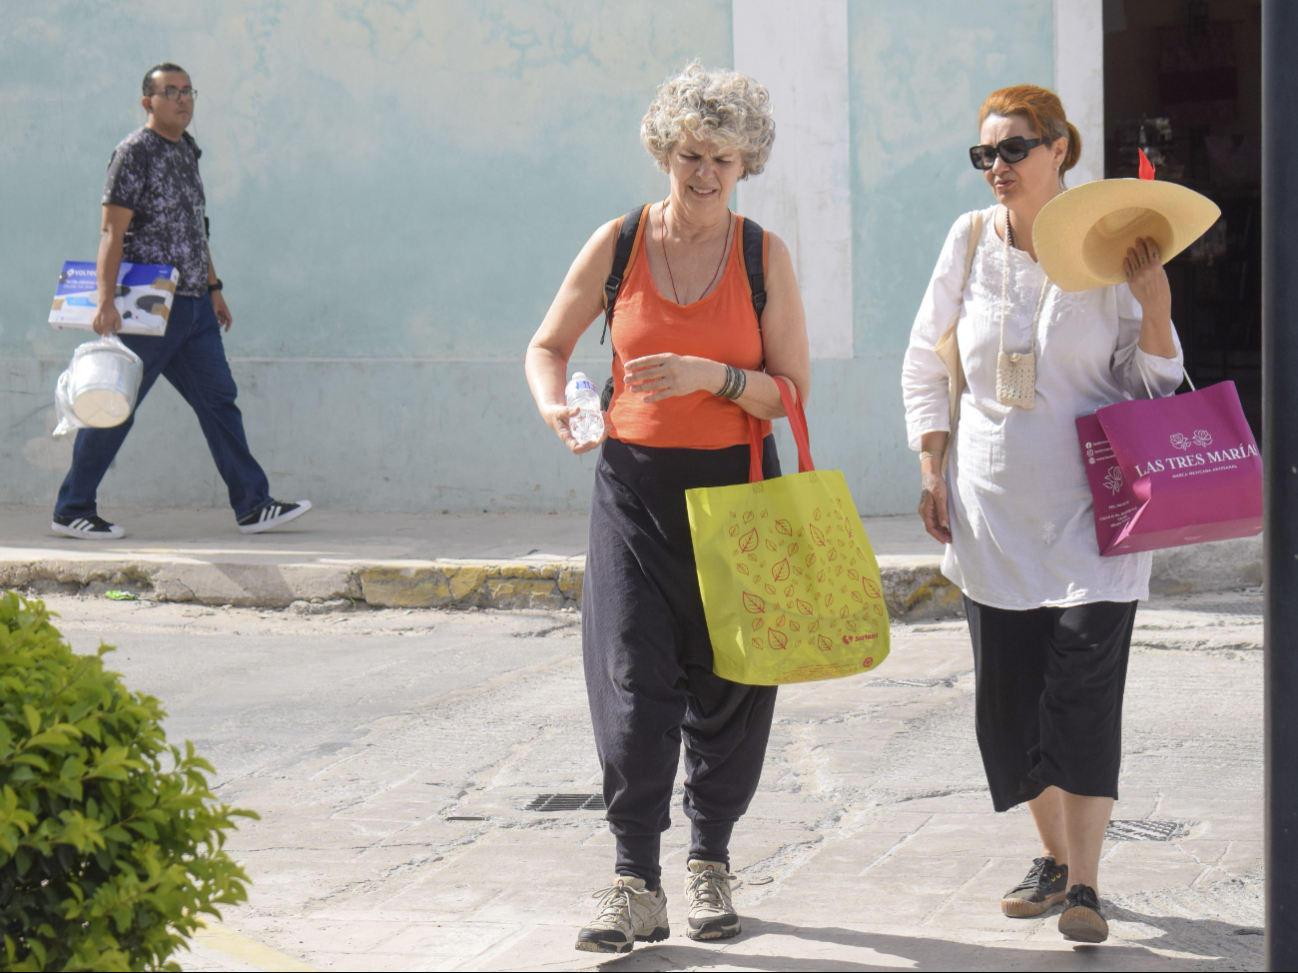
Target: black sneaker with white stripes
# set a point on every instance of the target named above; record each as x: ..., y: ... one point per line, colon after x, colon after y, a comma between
x: 88, y: 528
x: 274, y: 514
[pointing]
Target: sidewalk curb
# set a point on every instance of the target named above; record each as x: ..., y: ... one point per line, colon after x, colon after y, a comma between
x: 914, y: 586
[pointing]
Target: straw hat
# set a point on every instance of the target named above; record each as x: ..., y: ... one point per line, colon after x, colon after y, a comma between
x: 1082, y: 235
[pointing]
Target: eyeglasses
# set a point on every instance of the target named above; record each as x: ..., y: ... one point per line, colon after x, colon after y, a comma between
x: 1013, y: 149
x: 171, y: 93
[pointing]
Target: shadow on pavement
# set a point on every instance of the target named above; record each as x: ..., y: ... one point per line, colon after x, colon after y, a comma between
x: 886, y: 951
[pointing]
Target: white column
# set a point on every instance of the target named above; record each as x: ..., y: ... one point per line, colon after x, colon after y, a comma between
x: 1079, y: 79
x: 799, y: 52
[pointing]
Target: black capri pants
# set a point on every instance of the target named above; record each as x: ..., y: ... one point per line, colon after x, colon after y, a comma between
x: 1048, y: 697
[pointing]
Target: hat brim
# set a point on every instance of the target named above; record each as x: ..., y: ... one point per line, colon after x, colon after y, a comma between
x: 1082, y: 236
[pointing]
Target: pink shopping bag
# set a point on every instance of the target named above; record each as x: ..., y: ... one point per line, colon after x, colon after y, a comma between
x: 1167, y: 472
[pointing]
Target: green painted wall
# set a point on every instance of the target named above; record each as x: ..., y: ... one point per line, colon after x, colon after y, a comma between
x: 396, y: 190
x: 919, y: 72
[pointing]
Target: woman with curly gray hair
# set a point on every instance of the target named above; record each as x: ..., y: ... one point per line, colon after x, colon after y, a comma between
x: 707, y: 311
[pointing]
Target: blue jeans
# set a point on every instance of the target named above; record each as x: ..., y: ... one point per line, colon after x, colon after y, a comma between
x: 192, y: 358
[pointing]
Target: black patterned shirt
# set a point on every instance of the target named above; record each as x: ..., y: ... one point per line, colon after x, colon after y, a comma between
x: 158, y: 179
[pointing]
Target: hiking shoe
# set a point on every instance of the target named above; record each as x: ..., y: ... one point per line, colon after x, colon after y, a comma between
x: 707, y: 892
x: 1081, y: 921
x: 1045, y: 885
x: 88, y: 528
x: 274, y: 514
x: 628, y: 912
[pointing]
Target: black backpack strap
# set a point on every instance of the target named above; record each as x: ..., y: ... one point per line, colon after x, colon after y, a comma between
x: 755, y: 264
x: 621, y: 257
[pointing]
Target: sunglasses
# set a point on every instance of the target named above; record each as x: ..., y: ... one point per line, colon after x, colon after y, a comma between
x: 1013, y: 149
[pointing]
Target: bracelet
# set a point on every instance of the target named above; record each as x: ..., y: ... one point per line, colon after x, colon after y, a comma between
x: 736, y: 382
x: 926, y: 453
x: 728, y: 384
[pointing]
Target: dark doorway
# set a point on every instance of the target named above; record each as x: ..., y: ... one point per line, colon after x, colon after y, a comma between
x: 1183, y: 81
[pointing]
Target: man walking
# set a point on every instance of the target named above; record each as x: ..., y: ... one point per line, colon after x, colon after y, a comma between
x: 153, y: 213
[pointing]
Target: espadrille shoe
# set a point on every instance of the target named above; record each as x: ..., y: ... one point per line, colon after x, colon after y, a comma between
x: 1081, y: 921
x: 1045, y: 885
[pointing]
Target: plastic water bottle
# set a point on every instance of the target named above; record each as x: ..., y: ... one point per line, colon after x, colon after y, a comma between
x: 588, y: 424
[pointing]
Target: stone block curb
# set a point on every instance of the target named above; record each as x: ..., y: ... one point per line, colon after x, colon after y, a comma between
x: 914, y: 586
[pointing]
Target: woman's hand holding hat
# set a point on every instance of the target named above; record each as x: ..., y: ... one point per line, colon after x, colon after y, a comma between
x: 1147, y: 279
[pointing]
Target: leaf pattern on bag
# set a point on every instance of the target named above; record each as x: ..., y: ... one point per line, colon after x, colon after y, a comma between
x: 807, y: 582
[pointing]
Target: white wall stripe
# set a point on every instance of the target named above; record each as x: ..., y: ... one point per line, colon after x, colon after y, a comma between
x: 799, y: 52
x: 1079, y: 79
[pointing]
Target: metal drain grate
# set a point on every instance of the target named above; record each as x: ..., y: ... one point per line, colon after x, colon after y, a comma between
x: 1146, y: 830
x: 566, y: 802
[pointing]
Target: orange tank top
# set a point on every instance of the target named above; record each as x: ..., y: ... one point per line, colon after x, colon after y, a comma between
x: 722, y: 327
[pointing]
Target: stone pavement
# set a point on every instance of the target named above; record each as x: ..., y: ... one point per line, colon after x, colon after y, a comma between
x: 403, y: 560
x: 393, y: 753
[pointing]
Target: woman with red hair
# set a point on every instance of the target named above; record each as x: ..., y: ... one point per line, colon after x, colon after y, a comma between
x: 1004, y: 488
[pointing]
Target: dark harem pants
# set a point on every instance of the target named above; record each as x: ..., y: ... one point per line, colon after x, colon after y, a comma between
x: 1048, y: 697
x: 648, y: 658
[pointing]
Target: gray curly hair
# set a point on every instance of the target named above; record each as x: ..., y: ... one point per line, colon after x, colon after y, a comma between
x: 717, y: 105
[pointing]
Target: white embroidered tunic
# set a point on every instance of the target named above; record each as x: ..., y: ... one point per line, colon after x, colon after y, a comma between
x: 1022, y: 529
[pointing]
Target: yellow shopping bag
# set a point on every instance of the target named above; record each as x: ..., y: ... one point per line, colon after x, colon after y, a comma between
x: 791, y: 588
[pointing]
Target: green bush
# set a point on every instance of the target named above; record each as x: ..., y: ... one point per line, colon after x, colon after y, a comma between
x: 110, y: 841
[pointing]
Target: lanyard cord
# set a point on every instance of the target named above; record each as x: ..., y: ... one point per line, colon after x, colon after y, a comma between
x: 725, y: 242
x: 1005, y: 287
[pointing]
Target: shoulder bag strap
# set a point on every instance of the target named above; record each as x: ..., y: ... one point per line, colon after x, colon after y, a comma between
x: 622, y: 251
x: 754, y: 250
x: 948, y: 348
x: 797, y: 423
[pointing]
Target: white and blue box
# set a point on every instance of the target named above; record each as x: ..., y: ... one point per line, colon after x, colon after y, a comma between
x: 144, y: 296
